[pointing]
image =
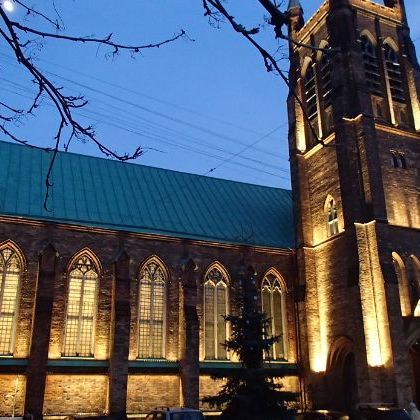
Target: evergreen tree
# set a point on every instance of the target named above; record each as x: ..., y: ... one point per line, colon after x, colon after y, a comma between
x: 250, y: 393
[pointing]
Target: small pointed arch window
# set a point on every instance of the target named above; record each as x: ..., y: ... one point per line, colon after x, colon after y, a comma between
x: 11, y: 266
x: 371, y: 65
x: 332, y: 216
x: 393, y: 71
x: 153, y: 278
x: 215, y: 309
x: 83, y: 275
x: 398, y: 159
x: 309, y: 82
x: 273, y: 298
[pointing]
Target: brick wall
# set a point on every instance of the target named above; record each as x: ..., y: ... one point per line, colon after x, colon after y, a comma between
x: 146, y: 392
x: 66, y: 385
x: 71, y: 394
x: 208, y: 387
x: 12, y: 394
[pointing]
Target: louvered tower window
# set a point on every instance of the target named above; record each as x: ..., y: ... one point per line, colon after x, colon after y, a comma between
x: 10, y: 271
x: 215, y: 309
x: 393, y: 69
x: 310, y: 92
x: 152, y: 310
x: 273, y: 305
x: 325, y: 64
x: 371, y: 66
x: 81, y: 307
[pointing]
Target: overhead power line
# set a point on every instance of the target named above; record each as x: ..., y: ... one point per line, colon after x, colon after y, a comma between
x: 114, y: 122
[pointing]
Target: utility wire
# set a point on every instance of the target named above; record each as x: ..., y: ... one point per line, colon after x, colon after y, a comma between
x: 152, y: 98
x: 156, y: 113
x: 152, y: 135
x: 94, y: 116
x: 245, y: 149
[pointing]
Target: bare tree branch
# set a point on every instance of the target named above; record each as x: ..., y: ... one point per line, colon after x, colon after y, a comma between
x: 34, y: 12
x: 15, y: 36
x: 102, y: 41
x: 270, y: 62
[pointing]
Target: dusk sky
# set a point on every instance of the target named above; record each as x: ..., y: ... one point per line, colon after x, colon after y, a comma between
x: 199, y: 104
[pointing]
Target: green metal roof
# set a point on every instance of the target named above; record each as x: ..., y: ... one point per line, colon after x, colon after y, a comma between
x: 97, y: 192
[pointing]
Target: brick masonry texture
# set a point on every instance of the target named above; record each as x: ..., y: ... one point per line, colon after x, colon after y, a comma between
x: 71, y: 394
x: 12, y: 394
x: 146, y: 392
x: 32, y: 238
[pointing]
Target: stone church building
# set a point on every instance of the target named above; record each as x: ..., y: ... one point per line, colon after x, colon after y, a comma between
x: 111, y: 302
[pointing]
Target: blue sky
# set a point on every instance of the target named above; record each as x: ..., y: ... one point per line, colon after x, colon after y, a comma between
x: 197, y: 103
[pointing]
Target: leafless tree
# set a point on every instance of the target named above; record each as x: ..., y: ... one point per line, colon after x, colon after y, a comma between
x: 22, y: 37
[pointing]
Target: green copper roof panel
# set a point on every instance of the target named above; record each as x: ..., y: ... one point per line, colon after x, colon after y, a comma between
x: 98, y: 192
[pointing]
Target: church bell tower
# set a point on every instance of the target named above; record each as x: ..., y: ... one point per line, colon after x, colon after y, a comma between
x: 354, y: 141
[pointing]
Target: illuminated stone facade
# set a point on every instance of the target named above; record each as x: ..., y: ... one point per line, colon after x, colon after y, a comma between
x: 37, y: 378
x: 100, y: 320
x: 359, y: 146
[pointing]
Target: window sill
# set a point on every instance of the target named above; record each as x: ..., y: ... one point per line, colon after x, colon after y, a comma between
x: 153, y: 365
x: 278, y: 367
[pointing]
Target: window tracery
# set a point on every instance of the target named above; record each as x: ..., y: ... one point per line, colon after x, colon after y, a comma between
x: 273, y: 304
x: 215, y: 309
x: 81, y: 307
x: 10, y: 273
x: 152, y: 310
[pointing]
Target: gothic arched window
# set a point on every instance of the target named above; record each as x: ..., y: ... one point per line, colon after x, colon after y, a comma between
x: 371, y: 66
x: 273, y: 304
x: 403, y: 285
x: 215, y: 309
x: 310, y: 92
x: 10, y: 272
x: 332, y: 216
x: 82, y: 294
x: 393, y: 71
x: 325, y: 72
x: 152, y: 309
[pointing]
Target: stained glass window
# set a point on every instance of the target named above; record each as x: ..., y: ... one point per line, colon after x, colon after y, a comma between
x: 81, y: 308
x: 215, y: 308
x: 272, y: 297
x: 151, y: 318
x: 10, y: 271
